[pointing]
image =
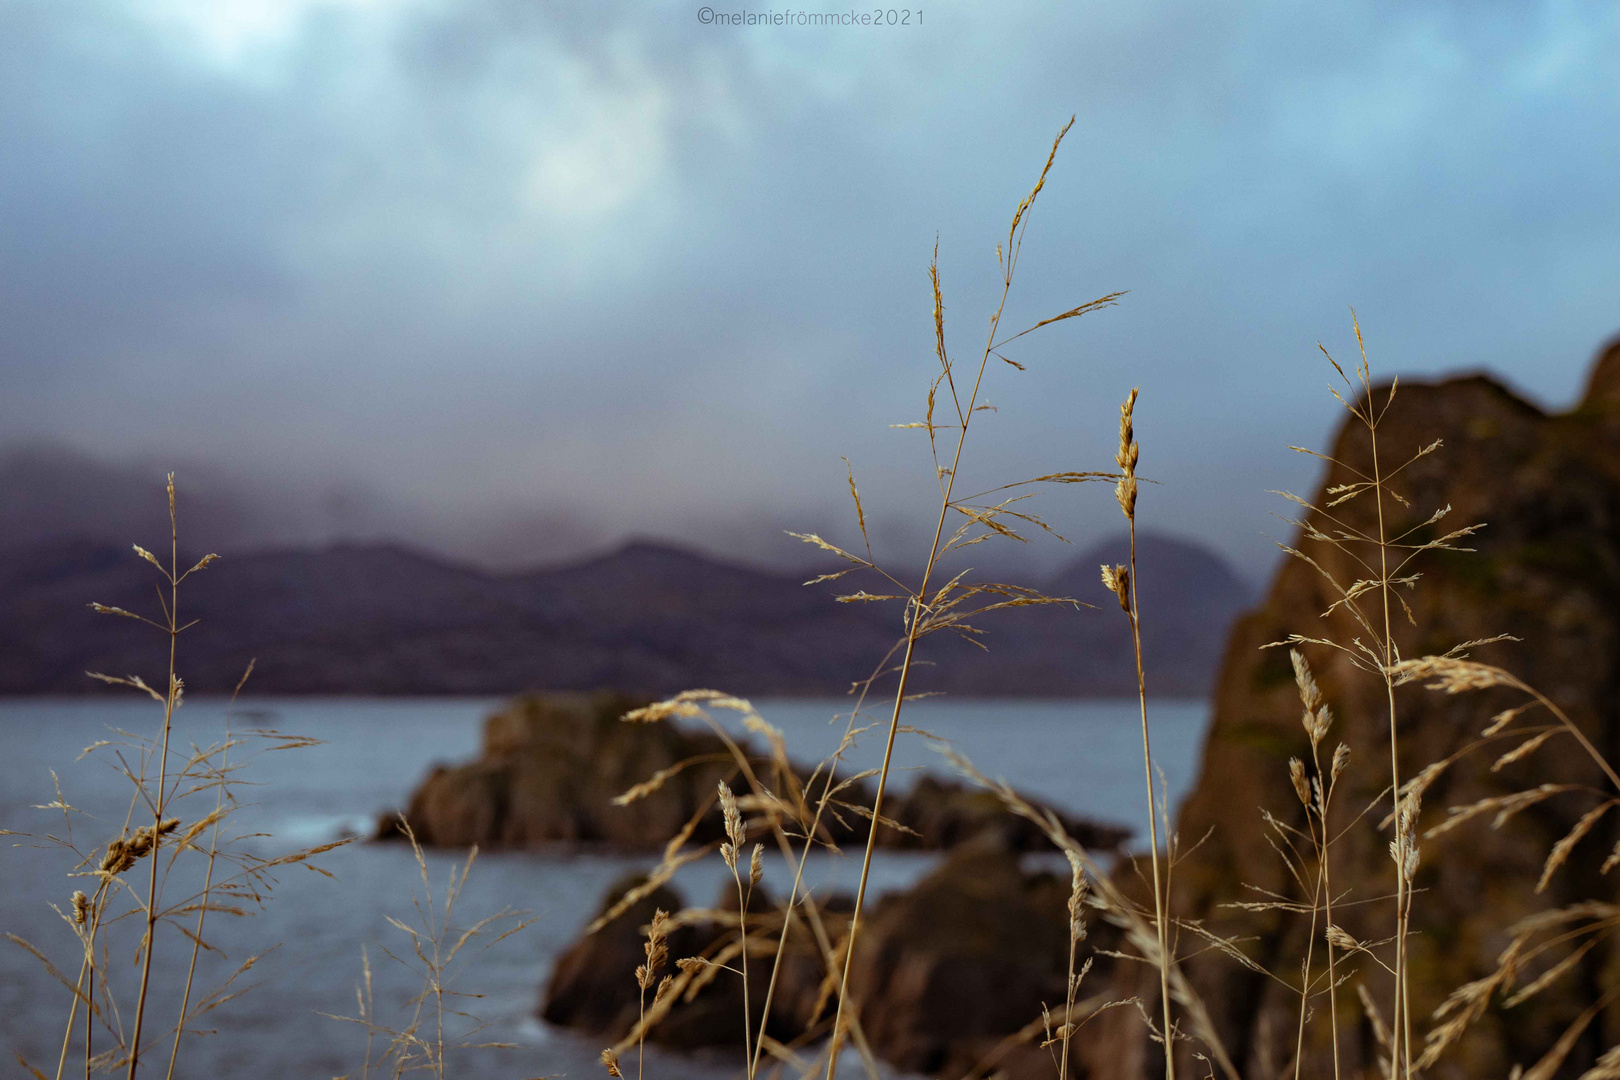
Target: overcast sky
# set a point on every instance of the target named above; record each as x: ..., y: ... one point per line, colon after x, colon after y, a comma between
x: 517, y: 279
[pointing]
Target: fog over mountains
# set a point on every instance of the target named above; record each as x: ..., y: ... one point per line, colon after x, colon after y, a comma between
x: 51, y: 491
x: 380, y: 617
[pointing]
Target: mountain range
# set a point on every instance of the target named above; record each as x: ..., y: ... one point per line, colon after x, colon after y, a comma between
x: 646, y: 617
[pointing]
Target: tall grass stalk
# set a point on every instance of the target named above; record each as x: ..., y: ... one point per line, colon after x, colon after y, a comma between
x: 208, y: 879
x: 1402, y: 1051
x: 1577, y: 928
x: 1319, y: 718
x: 436, y: 946
x: 812, y: 829
x: 1384, y: 559
x: 657, y: 951
x: 1122, y: 581
x: 159, y: 804
x: 1077, y: 934
x: 731, y: 852
x: 163, y: 780
x: 928, y: 612
x: 788, y: 802
x: 1316, y: 796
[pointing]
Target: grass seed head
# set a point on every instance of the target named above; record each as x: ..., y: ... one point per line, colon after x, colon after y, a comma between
x: 734, y: 823
x: 123, y: 853
x: 656, y: 948
x: 1117, y: 580
x: 1450, y: 675
x: 1411, y: 807
x: 1340, y: 939
x: 1077, y: 896
x: 1318, y: 717
x: 1302, y: 786
x: 1125, y: 490
x: 1126, y: 457
x: 1310, y: 695
x: 1125, y: 493
x: 1406, y: 834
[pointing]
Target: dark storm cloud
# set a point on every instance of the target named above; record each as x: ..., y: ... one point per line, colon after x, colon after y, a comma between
x: 607, y: 270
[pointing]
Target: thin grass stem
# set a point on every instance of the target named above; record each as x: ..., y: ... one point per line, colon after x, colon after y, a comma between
x: 1159, y: 899
x: 169, y: 705
x: 919, y: 604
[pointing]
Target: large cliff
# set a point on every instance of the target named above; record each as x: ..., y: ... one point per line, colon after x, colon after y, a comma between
x: 1546, y: 570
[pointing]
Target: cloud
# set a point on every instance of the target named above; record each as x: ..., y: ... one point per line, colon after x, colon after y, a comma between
x: 506, y: 262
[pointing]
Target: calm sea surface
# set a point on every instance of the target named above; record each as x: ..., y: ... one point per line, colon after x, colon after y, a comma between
x: 1082, y: 755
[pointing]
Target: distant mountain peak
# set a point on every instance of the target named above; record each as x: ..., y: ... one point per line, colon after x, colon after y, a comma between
x: 1163, y: 559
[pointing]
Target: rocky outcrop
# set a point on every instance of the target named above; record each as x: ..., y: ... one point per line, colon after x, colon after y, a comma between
x: 549, y: 770
x: 947, y: 973
x: 592, y: 987
x: 551, y: 765
x: 950, y: 970
x: 1547, y: 571
x: 937, y: 813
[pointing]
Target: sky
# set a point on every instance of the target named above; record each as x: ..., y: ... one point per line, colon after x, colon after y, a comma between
x: 517, y: 280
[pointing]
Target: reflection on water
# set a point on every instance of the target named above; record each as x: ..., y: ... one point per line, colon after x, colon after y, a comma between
x: 1084, y: 756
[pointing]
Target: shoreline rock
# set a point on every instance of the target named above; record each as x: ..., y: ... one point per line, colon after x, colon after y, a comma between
x: 1545, y: 569
x: 551, y: 765
x: 592, y: 987
x: 948, y: 972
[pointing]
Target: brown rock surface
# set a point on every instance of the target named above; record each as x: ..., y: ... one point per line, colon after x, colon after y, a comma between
x: 948, y: 970
x: 945, y: 972
x: 945, y: 813
x: 592, y: 987
x: 1547, y: 570
x: 551, y: 765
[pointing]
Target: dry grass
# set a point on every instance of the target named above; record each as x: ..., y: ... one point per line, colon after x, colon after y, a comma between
x: 1370, y: 601
x: 930, y: 608
x: 1373, y: 601
x: 422, y: 1042
x: 181, y: 804
x: 782, y: 810
x: 176, y: 829
x: 1122, y: 581
x: 145, y: 883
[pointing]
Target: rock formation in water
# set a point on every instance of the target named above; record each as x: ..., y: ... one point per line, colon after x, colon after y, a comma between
x: 551, y: 765
x: 947, y: 972
x: 1547, y: 571
x: 593, y: 987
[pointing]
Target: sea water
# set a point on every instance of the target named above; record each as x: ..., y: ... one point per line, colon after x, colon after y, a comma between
x: 1082, y: 756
